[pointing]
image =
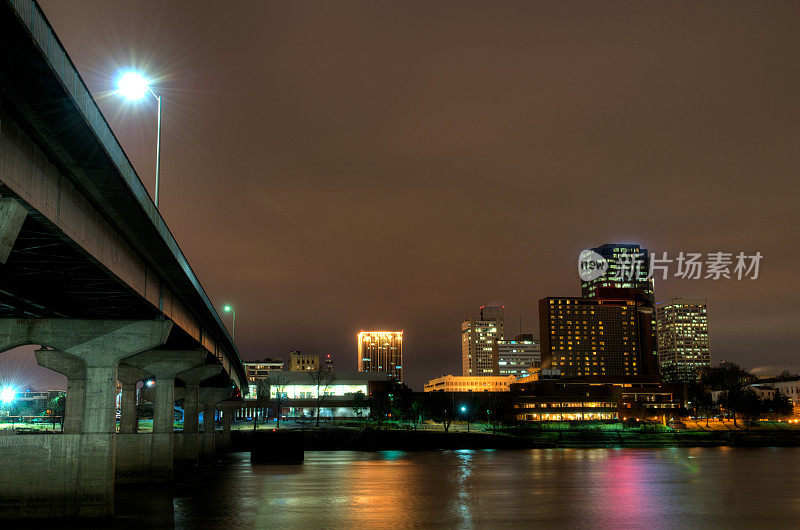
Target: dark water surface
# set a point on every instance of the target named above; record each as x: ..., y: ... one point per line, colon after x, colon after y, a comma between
x: 585, y: 488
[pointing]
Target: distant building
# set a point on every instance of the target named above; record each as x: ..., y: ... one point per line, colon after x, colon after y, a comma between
x: 789, y: 387
x: 683, y: 344
x: 627, y: 260
x: 453, y: 383
x: 259, y: 370
x: 478, y: 337
x: 329, y: 361
x: 299, y: 362
x: 597, y: 337
x: 300, y: 395
x: 381, y: 351
x: 518, y: 356
x: 598, y: 398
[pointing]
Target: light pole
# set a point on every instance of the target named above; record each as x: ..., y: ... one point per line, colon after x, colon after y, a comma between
x: 464, y: 410
x: 230, y: 309
x: 134, y: 86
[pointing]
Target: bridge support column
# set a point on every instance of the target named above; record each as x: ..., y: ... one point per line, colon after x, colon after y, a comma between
x: 75, y: 370
x: 190, y: 438
x: 129, y: 376
x: 210, y: 397
x: 228, y: 409
x: 148, y: 457
x: 71, y: 475
x: 12, y: 215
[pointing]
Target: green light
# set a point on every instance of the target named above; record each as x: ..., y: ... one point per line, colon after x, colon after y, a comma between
x: 227, y: 309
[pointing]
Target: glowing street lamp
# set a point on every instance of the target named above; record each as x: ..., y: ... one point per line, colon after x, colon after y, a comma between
x: 7, y: 394
x: 230, y: 309
x: 133, y: 86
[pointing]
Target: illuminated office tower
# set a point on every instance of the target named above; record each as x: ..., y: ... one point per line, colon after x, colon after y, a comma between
x: 622, y: 259
x: 381, y: 351
x: 683, y: 346
x: 518, y: 356
x: 597, y: 336
x: 478, y: 337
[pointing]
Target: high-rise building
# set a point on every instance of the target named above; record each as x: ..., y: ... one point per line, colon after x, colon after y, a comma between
x: 299, y: 362
x: 683, y: 346
x: 478, y: 350
x: 598, y: 336
x: 329, y: 361
x: 518, y: 356
x: 381, y: 351
x: 629, y: 262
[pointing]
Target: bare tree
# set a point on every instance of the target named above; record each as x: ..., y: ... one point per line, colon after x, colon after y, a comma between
x: 262, y: 398
x: 279, y: 382
x: 321, y: 377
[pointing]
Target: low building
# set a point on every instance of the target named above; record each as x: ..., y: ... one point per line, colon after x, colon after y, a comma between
x: 789, y: 387
x: 299, y: 394
x: 598, y: 398
x: 486, y: 383
x: 259, y: 370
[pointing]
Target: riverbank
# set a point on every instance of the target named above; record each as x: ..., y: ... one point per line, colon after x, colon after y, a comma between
x: 369, y: 439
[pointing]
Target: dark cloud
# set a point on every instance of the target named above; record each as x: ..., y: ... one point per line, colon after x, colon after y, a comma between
x: 333, y: 166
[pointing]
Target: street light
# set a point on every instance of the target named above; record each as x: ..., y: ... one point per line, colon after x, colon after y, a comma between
x: 464, y: 410
x: 229, y: 309
x: 133, y: 86
x: 7, y: 394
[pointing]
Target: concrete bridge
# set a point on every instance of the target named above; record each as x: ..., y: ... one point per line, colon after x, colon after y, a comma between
x: 91, y: 274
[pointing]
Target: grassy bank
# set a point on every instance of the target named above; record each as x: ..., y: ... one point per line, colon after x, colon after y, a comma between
x: 369, y: 439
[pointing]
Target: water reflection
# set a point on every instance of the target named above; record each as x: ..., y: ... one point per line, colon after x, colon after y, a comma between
x: 623, y: 488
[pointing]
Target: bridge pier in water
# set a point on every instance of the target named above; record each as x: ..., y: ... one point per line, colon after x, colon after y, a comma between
x: 72, y: 475
x: 210, y: 397
x: 148, y: 457
x: 228, y: 409
x: 189, y: 439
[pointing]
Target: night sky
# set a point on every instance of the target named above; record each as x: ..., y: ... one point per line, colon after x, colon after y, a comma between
x: 335, y: 166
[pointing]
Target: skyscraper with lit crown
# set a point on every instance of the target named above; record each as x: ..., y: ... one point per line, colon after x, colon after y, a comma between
x: 381, y: 351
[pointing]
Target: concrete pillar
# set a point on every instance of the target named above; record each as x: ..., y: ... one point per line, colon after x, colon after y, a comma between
x: 75, y: 370
x: 228, y: 409
x: 129, y: 376
x: 149, y: 456
x: 210, y: 396
x: 72, y: 475
x: 12, y: 215
x: 190, y: 439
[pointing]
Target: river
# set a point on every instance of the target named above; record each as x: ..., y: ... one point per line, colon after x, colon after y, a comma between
x: 576, y: 488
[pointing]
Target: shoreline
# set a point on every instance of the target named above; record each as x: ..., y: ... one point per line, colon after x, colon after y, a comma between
x: 343, y: 439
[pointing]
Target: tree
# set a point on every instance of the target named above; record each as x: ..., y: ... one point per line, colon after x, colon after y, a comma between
x: 731, y: 379
x: 779, y: 406
x: 359, y: 403
x: 442, y: 409
x: 415, y: 412
x: 750, y: 406
x: 379, y: 405
x: 262, y: 399
x: 279, y: 382
x: 56, y: 407
x: 704, y: 404
x: 321, y: 378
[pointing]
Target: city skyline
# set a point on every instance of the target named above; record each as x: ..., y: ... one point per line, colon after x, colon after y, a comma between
x: 551, y: 125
